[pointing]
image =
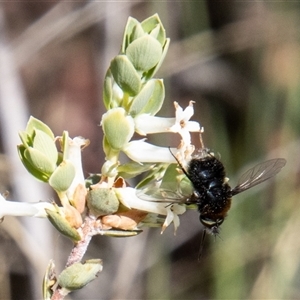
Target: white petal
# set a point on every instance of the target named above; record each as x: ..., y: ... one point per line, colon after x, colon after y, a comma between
x: 192, y: 126
x: 176, y: 222
x: 128, y: 197
x: 168, y: 220
x: 178, y: 111
x: 75, y: 148
x: 141, y: 151
x: 13, y: 208
x: 188, y: 112
x: 186, y: 137
x: 146, y: 124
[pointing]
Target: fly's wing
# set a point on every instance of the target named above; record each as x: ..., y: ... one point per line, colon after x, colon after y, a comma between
x: 153, y: 193
x: 172, y: 187
x: 259, y: 174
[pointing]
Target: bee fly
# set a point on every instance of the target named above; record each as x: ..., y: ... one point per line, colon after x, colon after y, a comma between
x: 212, y: 193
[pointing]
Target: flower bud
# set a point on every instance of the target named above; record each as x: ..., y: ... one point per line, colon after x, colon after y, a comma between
x: 102, y: 201
x: 38, y: 152
x: 78, y: 275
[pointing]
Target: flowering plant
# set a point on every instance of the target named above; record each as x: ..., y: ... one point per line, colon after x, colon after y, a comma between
x: 105, y: 203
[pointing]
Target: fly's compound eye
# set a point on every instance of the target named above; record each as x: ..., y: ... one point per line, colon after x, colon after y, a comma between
x: 210, y: 223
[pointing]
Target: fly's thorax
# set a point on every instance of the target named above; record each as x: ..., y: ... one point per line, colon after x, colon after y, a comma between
x: 204, y: 170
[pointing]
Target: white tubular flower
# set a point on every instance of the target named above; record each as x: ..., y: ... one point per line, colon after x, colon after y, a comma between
x: 74, y: 155
x: 18, y: 209
x: 128, y: 197
x: 146, y: 124
x: 140, y: 151
x: 182, y: 124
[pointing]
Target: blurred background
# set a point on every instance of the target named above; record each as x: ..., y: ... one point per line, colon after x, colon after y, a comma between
x: 240, y: 63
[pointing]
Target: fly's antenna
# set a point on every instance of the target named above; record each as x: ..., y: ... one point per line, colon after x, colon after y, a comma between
x: 180, y: 165
x: 201, y: 244
x: 174, y: 156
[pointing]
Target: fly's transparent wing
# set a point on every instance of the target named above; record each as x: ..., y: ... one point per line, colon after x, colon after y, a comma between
x: 173, y: 187
x: 153, y: 193
x: 259, y: 174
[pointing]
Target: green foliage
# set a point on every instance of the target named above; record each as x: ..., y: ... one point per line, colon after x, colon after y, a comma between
x: 129, y: 89
x: 63, y: 176
x: 118, y: 128
x: 102, y: 201
x: 79, y: 275
x: 62, y: 225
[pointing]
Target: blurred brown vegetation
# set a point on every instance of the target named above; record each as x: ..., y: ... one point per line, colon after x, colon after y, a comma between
x: 240, y: 62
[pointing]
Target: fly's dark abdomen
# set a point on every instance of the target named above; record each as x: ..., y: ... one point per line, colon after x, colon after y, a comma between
x: 213, y: 199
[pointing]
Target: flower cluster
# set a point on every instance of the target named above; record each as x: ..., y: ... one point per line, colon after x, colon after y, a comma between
x: 104, y: 203
x: 132, y: 98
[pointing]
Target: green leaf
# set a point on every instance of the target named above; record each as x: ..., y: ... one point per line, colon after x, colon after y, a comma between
x: 120, y: 233
x: 30, y: 168
x: 131, y: 24
x: 132, y: 169
x: 117, y: 127
x: 34, y: 124
x: 45, y: 144
x: 48, y: 281
x: 25, y: 138
x: 112, y: 93
x: 107, y: 90
x: 62, y: 225
x: 153, y: 71
x: 155, y: 32
x: 125, y: 75
x: 144, y: 53
x: 62, y: 177
x: 150, y: 99
x: 150, y: 24
x: 39, y: 161
x: 137, y: 32
x: 78, y: 275
x: 156, y: 101
x: 108, y: 150
x: 154, y: 174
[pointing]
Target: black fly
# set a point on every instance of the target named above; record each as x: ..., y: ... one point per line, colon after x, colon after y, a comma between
x: 211, y: 192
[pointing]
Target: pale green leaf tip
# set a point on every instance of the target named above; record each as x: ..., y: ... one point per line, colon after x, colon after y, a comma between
x: 62, y: 225
x: 118, y: 127
x: 79, y: 275
x: 62, y: 177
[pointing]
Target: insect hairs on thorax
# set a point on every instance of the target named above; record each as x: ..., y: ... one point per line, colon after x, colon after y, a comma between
x: 208, y: 177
